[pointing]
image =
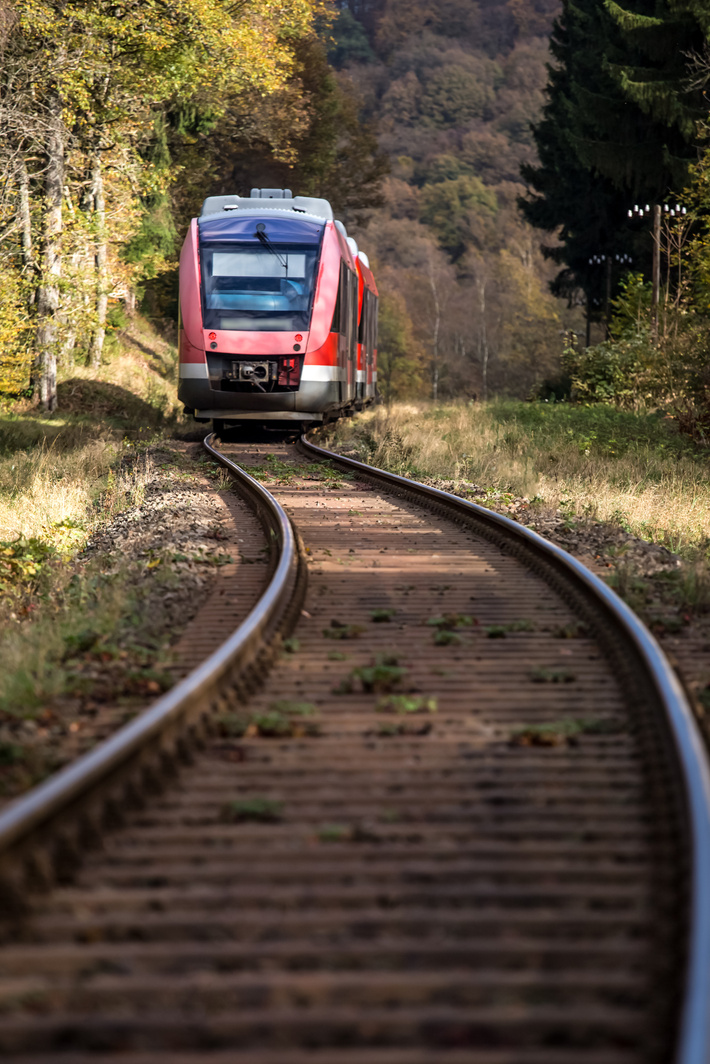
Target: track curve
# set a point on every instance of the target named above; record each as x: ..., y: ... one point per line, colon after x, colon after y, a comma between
x: 464, y: 818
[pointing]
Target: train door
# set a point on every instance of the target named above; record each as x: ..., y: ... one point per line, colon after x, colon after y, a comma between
x: 368, y: 333
x: 345, y: 323
x: 362, y: 340
x: 375, y: 319
x: 352, y: 337
x: 340, y: 325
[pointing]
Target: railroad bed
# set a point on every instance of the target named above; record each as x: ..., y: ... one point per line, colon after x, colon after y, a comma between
x: 449, y: 826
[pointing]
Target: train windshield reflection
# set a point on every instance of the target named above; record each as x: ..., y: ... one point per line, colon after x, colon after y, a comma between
x: 267, y: 288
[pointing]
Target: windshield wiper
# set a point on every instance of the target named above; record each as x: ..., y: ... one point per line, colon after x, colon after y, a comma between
x: 261, y: 236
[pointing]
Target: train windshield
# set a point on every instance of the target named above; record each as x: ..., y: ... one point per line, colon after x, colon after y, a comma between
x: 264, y: 288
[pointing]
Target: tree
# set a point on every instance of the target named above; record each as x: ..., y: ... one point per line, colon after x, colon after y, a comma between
x: 308, y: 136
x: 608, y: 133
x: 81, y: 85
x: 399, y: 360
x: 350, y: 43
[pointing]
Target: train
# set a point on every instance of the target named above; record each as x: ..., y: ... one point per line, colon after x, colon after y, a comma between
x: 277, y: 313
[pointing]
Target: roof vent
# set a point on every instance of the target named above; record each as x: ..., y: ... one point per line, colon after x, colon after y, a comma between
x: 271, y: 193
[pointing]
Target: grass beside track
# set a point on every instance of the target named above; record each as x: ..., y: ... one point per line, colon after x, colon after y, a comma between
x: 63, y: 477
x: 594, y: 462
x: 62, y: 471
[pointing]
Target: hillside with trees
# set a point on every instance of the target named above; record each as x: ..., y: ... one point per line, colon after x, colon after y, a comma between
x: 115, y: 122
x: 485, y: 154
x: 622, y: 188
x: 412, y: 117
x: 455, y: 88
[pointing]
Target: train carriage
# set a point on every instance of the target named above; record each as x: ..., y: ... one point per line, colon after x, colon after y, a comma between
x: 278, y: 312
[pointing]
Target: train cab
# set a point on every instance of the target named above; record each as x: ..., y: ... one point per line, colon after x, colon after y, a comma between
x: 276, y: 310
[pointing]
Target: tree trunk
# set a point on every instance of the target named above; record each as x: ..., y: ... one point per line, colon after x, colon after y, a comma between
x: 656, y: 274
x: 435, y: 338
x: 48, y: 288
x: 483, y: 337
x: 97, y: 340
x: 25, y: 219
x: 607, y: 299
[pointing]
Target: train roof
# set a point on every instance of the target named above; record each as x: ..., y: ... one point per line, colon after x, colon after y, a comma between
x: 281, y: 226
x: 271, y: 199
x: 290, y: 218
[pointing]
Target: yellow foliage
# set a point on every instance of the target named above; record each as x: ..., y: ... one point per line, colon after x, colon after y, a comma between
x: 14, y: 322
x: 102, y: 58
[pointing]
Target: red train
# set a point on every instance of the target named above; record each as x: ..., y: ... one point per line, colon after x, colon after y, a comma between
x: 278, y: 312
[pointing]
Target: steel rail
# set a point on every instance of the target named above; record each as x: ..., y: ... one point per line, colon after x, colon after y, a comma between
x: 693, y: 1043
x: 50, y: 799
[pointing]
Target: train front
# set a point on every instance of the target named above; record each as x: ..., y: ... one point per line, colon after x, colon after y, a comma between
x: 248, y: 277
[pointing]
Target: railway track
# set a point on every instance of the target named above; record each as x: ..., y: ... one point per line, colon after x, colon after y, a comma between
x: 444, y: 803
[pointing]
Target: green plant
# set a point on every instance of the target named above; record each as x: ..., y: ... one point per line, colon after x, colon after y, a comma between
x: 261, y: 810
x: 272, y: 725
x: 334, y: 833
x: 284, y: 720
x: 450, y: 621
x: 22, y: 561
x: 557, y: 732
x: 445, y: 638
x: 500, y: 631
x: 496, y: 631
x: 571, y: 630
x: 232, y: 725
x: 338, y: 630
x: 406, y: 704
x: 380, y: 677
x: 293, y: 709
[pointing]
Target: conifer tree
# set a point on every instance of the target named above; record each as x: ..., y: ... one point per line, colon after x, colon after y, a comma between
x: 618, y: 128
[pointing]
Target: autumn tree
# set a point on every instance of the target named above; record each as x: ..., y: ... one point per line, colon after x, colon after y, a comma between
x: 455, y: 88
x: 89, y: 80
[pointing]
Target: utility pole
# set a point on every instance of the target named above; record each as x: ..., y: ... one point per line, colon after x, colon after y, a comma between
x: 607, y: 261
x: 607, y: 297
x: 656, y: 211
x: 656, y: 266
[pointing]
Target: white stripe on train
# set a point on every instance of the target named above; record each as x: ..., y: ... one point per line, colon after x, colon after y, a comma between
x: 198, y: 371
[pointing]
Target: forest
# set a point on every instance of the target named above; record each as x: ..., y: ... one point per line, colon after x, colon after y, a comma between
x: 487, y: 155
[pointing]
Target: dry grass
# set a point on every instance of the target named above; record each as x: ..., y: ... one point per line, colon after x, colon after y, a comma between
x: 596, y: 462
x: 61, y: 475
x: 47, y: 488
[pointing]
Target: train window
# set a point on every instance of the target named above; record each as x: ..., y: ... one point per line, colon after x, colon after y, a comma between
x: 340, y: 314
x: 363, y: 335
x: 258, y: 288
x: 353, y: 307
x: 344, y: 300
x: 367, y: 334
